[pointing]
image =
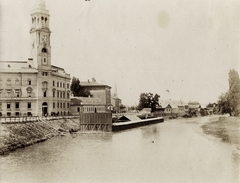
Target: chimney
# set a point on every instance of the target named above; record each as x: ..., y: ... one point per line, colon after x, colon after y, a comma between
x: 94, y: 80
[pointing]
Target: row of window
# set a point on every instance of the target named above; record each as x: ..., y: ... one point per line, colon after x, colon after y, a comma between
x: 60, y: 84
x: 17, y: 105
x: 60, y: 105
x: 16, y: 114
x: 91, y: 109
x: 61, y: 94
x: 17, y: 81
x: 15, y: 92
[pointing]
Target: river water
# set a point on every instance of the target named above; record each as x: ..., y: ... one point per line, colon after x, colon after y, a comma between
x: 169, y: 152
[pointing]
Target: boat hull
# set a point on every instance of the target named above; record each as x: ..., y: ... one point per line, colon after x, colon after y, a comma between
x: 132, y: 124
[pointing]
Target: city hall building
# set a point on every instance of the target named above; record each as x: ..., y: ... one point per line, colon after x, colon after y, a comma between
x: 35, y: 87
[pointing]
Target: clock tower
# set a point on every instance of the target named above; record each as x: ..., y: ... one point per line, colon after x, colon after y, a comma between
x: 40, y: 36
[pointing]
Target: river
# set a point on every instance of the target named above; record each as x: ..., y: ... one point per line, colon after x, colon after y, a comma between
x: 169, y: 152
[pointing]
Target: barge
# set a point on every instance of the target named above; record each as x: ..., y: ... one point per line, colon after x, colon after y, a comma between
x: 117, y: 126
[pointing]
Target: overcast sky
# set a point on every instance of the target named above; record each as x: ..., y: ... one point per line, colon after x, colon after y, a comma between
x: 184, y: 46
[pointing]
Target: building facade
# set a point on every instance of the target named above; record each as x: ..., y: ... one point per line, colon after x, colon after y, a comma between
x: 100, y: 91
x: 35, y: 87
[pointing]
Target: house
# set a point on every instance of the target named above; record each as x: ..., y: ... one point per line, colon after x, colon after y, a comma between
x: 87, y: 105
x: 100, y: 91
x: 194, y: 107
x: 35, y: 86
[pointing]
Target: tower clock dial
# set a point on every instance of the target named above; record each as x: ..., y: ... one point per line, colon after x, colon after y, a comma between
x: 44, y: 38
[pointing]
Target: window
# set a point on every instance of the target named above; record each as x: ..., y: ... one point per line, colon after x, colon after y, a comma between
x: 60, y: 84
x: 63, y: 105
x: 17, y: 114
x: 78, y: 109
x: 0, y: 114
x: 67, y: 95
x: 17, y: 93
x: 17, y: 81
x: 57, y: 94
x: 63, y: 85
x: 60, y: 94
x: 44, y: 94
x: 58, y: 104
x: 53, y: 93
x: 8, y: 114
x: 57, y: 84
x: 8, y: 105
x: 9, y: 92
x: 63, y: 94
x: 53, y: 104
x: 8, y: 81
x: 29, y: 114
x: 17, y: 105
x: 29, y: 105
x: 29, y: 82
x: 67, y: 85
x: 53, y: 83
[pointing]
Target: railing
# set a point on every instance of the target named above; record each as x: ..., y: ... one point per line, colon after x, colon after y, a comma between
x: 26, y: 119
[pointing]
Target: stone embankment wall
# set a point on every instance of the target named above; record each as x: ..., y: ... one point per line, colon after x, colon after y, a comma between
x: 18, y: 135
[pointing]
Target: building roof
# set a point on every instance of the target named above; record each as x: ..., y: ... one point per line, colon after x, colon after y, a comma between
x: 92, y: 83
x: 17, y: 66
x: 128, y: 118
x: 172, y: 103
x: 86, y: 101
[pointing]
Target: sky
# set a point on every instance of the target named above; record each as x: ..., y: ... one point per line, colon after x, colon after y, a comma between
x: 181, y: 46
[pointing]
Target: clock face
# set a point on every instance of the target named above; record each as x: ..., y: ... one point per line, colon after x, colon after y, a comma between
x: 44, y: 38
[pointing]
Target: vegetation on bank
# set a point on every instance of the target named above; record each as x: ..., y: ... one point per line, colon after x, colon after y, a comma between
x: 229, y: 102
x: 18, y: 135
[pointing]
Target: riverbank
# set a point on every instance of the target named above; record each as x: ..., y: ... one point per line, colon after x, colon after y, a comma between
x: 227, y: 129
x: 19, y: 135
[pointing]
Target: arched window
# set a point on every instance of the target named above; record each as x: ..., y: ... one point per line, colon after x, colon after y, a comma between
x: 29, y: 82
x: 44, y: 50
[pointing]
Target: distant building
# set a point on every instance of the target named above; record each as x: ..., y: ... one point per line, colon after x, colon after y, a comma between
x: 116, y: 102
x: 100, y: 91
x: 194, y: 107
x: 35, y: 87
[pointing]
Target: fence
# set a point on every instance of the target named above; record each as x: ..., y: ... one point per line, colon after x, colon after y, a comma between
x: 95, y: 122
x: 27, y: 119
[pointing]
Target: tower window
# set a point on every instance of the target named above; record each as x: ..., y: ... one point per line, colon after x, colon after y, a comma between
x: 29, y: 82
x: 44, y: 94
x: 44, y: 50
x: 42, y: 18
x: 45, y: 20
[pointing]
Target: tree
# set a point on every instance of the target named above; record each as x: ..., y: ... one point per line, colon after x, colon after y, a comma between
x: 230, y: 101
x: 147, y: 100
x: 224, y: 104
x: 77, y: 90
x: 234, y: 91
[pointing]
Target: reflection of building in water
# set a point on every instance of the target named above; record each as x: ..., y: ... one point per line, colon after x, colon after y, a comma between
x: 151, y: 132
x: 35, y: 86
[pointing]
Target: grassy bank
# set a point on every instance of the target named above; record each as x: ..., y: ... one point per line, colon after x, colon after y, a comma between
x: 227, y: 129
x: 18, y: 135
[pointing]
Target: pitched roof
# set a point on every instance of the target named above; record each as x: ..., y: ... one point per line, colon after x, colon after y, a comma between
x: 86, y: 101
x: 129, y: 118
